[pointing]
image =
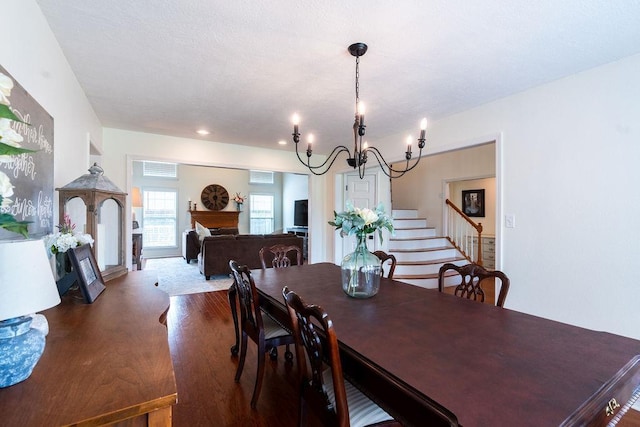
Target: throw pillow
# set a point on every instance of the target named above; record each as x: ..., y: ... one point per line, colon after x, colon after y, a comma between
x: 202, y: 231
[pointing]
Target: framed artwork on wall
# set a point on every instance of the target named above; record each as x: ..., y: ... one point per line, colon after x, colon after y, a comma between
x: 88, y: 274
x: 30, y: 174
x: 473, y: 203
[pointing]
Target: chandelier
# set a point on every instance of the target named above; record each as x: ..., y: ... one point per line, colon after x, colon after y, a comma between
x: 361, y: 150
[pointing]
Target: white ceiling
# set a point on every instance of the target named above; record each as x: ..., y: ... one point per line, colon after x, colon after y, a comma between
x: 241, y: 68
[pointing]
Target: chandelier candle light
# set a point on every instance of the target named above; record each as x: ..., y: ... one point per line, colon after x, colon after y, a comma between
x: 360, y: 149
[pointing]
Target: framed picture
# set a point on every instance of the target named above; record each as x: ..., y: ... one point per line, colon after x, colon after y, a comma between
x: 473, y: 202
x: 88, y: 274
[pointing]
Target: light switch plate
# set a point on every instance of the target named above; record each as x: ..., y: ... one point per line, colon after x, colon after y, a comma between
x: 510, y: 221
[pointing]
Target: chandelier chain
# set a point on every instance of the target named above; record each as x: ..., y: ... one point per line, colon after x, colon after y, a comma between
x: 357, y: 81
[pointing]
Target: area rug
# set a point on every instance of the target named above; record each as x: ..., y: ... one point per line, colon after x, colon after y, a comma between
x: 176, y: 277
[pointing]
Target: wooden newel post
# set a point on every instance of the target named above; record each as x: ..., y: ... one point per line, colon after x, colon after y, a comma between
x: 479, y: 243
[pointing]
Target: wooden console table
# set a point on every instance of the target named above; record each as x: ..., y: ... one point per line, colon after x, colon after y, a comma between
x: 103, y: 363
x: 215, y: 219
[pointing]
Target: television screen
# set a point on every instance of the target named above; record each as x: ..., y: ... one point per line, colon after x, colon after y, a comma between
x: 301, y: 213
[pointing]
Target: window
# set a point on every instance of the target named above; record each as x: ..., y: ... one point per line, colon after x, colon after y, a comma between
x: 160, y: 218
x: 159, y: 169
x: 260, y: 177
x: 261, y: 216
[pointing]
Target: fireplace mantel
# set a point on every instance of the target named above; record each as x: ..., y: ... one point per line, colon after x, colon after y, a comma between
x: 215, y: 219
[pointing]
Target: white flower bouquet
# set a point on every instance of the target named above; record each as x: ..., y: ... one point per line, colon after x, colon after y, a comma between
x: 362, y: 221
x: 66, y: 238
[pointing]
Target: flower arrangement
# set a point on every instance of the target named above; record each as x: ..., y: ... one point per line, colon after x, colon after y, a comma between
x: 362, y: 221
x: 9, y: 147
x: 66, y: 238
x: 239, y: 199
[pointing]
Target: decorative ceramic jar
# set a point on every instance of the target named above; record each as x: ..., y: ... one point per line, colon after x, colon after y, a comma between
x: 20, y: 349
x: 361, y: 271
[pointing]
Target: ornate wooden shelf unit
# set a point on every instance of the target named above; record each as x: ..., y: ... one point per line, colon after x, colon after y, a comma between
x: 215, y: 219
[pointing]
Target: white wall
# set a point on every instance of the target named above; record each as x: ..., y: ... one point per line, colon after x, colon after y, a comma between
x: 570, y: 176
x: 31, y: 54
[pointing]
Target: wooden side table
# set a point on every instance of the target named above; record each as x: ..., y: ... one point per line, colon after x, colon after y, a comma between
x: 137, y: 250
x: 103, y: 363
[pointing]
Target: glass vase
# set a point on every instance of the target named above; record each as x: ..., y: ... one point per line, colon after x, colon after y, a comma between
x: 361, y: 271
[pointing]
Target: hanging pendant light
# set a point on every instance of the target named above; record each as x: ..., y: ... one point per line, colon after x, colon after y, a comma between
x: 361, y: 149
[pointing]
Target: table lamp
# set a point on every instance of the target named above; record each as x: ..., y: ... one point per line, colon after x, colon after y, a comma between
x: 26, y: 287
x: 136, y: 202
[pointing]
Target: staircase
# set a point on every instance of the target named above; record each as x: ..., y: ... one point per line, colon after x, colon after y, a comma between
x: 418, y: 250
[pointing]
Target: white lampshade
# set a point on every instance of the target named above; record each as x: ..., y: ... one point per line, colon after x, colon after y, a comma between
x: 136, y: 197
x: 26, y: 279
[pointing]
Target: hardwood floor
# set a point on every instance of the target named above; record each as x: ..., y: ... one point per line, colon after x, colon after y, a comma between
x: 200, y: 336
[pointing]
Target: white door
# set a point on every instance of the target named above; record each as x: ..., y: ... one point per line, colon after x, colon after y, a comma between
x: 362, y: 194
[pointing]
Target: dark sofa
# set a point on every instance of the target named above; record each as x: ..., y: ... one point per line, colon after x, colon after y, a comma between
x: 192, y: 242
x: 217, y: 251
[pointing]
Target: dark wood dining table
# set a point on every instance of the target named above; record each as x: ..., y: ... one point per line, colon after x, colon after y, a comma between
x: 414, y: 350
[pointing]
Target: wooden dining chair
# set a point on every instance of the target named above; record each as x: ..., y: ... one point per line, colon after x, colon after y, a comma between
x: 384, y: 257
x: 471, y: 275
x: 610, y: 403
x: 335, y: 401
x: 257, y: 325
x: 279, y: 255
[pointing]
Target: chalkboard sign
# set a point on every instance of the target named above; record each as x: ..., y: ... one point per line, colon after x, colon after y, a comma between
x: 31, y: 174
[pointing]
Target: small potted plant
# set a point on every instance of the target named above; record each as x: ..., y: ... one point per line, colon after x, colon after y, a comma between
x: 239, y: 199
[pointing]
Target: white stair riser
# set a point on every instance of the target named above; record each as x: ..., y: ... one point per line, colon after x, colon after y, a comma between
x: 437, y: 242
x: 416, y: 270
x: 409, y: 223
x: 422, y: 269
x: 415, y: 233
x: 404, y: 213
x: 425, y: 255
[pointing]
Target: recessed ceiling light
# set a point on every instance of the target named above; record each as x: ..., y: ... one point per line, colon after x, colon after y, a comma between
x: 202, y: 132
x: 282, y: 142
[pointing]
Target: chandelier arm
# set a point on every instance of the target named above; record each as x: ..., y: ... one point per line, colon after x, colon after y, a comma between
x: 331, y: 158
x: 390, y: 171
